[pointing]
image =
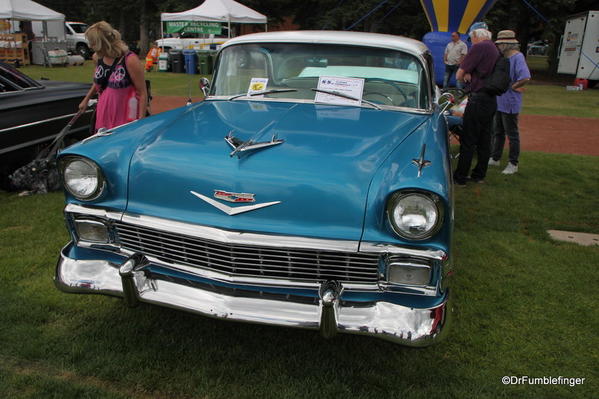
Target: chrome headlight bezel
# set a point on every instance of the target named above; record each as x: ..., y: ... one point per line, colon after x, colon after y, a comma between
x: 433, y: 200
x: 65, y: 162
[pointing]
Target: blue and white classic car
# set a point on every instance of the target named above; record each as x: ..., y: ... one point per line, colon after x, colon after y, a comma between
x: 312, y: 188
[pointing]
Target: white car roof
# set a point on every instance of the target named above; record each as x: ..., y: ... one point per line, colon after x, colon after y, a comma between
x: 334, y: 37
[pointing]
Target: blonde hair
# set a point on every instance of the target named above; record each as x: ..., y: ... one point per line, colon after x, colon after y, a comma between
x: 105, y: 40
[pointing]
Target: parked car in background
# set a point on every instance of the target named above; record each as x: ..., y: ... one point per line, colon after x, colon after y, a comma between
x: 538, y: 47
x: 76, y: 40
x: 32, y: 113
x: 312, y: 188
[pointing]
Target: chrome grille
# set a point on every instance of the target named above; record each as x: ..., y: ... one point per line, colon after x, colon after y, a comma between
x: 235, y: 259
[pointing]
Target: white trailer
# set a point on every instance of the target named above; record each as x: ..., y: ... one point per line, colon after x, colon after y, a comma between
x: 579, y: 54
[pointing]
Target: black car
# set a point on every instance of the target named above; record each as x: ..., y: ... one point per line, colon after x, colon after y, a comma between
x: 32, y: 113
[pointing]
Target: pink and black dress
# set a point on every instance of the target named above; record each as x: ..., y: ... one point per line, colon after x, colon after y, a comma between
x: 118, y: 101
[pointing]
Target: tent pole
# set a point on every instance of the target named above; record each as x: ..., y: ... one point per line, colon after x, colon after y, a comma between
x: 265, y: 27
x: 162, y: 35
x: 229, y: 27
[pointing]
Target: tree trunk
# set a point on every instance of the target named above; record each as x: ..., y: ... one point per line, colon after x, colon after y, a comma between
x: 143, y: 30
x: 523, y: 29
x: 122, y: 22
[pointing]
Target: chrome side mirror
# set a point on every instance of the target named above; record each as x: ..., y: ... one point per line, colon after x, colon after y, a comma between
x: 205, y: 86
x: 446, y: 100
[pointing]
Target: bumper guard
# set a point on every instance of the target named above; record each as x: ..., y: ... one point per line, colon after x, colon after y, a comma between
x: 330, y: 314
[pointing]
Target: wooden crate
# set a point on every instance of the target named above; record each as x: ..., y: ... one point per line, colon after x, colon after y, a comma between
x: 13, y: 48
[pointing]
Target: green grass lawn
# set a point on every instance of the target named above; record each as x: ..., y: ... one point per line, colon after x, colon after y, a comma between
x: 163, y: 83
x: 557, y: 101
x: 537, y: 63
x: 538, y: 99
x: 523, y: 305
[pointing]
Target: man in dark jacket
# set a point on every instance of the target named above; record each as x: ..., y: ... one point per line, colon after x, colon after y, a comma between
x: 478, y: 116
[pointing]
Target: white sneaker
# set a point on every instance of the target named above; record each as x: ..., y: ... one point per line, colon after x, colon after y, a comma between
x: 493, y: 162
x: 510, y: 169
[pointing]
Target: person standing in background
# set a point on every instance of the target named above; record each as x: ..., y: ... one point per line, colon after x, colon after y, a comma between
x: 509, y: 104
x: 118, y: 79
x: 455, y: 51
x: 478, y: 116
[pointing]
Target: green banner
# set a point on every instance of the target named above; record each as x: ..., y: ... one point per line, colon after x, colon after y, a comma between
x: 193, y: 27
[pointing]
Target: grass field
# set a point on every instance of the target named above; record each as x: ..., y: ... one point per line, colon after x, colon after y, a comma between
x: 537, y: 63
x: 524, y: 305
x: 163, y: 83
x: 539, y: 99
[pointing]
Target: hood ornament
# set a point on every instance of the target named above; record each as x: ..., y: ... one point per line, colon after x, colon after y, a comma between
x: 239, y: 146
x: 420, y: 161
x: 231, y: 211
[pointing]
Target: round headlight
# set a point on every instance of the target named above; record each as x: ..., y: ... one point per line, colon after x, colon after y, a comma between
x: 415, y: 216
x: 82, y: 178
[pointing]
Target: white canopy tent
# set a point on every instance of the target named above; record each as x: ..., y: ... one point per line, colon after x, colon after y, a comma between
x: 27, y: 10
x: 46, y: 22
x: 217, y: 11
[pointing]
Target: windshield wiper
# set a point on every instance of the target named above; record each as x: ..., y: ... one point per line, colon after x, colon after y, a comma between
x: 260, y: 93
x: 338, y: 94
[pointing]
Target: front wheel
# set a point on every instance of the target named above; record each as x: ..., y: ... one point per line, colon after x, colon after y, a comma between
x: 83, y: 51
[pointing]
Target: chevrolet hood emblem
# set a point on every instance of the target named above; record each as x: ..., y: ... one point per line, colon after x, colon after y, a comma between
x: 231, y: 211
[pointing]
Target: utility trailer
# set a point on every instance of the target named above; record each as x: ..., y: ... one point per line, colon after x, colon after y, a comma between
x: 579, y: 51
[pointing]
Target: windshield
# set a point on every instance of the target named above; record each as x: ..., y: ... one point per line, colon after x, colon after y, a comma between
x: 78, y: 28
x: 13, y: 80
x: 391, y: 78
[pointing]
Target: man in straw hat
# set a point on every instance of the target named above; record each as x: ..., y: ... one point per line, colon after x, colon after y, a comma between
x: 478, y: 116
x: 509, y: 103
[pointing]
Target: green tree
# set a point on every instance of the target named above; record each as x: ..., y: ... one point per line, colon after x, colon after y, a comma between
x: 546, y: 23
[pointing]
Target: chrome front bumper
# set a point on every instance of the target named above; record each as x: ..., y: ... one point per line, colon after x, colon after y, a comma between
x: 331, y: 312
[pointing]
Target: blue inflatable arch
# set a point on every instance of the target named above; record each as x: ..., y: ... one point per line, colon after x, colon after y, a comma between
x: 446, y: 16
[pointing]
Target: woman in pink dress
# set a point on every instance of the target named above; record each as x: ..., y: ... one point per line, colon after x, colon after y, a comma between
x: 118, y: 79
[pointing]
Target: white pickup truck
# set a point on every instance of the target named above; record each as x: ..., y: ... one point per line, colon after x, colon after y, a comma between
x: 210, y: 42
x: 73, y: 35
x: 76, y: 41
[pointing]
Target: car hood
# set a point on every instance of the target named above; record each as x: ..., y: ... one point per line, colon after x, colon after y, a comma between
x: 319, y: 176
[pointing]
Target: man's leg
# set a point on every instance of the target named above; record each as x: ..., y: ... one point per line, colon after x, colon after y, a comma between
x: 467, y: 141
x: 511, y: 128
x: 446, y: 76
x: 483, y: 145
x: 498, y: 136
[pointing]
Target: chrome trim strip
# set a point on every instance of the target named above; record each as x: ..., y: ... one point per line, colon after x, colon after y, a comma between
x: 374, y: 247
x: 381, y: 319
x: 240, y: 237
x: 304, y: 101
x: 41, y: 140
x: 106, y: 132
x: 245, y: 238
x: 42, y: 121
x: 88, y: 210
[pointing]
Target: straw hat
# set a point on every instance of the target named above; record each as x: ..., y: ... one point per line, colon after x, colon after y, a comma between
x: 506, y: 37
